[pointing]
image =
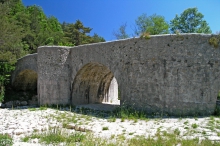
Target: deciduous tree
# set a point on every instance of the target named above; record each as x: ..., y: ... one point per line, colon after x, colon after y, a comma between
x: 190, y: 21
x: 154, y: 24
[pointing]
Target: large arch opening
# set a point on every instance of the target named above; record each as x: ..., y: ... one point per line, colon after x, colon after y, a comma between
x: 95, y: 83
x: 26, y: 80
x: 24, y: 87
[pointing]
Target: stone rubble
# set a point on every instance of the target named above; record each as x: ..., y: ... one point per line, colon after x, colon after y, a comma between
x: 19, y: 123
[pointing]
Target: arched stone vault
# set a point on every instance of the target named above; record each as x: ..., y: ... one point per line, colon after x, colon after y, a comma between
x: 169, y: 74
x: 26, y: 80
x: 91, y: 84
x: 28, y: 62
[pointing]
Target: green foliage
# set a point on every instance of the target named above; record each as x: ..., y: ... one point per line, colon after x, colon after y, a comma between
x: 104, y: 128
x: 145, y: 35
x: 194, y: 125
x: 154, y: 24
x: 127, y: 112
x: 5, y: 69
x: 5, y: 140
x: 56, y: 136
x: 24, y: 29
x: 168, y: 140
x: 217, y: 111
x: 77, y: 34
x: 41, y: 30
x: 190, y: 21
x: 214, y: 41
x: 121, y: 32
x: 10, y: 46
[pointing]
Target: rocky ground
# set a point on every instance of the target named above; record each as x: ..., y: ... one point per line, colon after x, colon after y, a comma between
x: 19, y: 123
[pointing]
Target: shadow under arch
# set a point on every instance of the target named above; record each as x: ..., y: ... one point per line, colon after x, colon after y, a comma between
x: 94, y: 83
x: 26, y: 80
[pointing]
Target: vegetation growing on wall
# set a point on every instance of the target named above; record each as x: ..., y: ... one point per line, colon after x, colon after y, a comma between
x: 145, y: 35
x: 215, y: 41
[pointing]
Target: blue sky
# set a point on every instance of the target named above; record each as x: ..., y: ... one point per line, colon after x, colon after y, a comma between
x: 105, y: 16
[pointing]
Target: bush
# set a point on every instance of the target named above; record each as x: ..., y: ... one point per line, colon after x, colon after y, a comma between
x: 5, y: 69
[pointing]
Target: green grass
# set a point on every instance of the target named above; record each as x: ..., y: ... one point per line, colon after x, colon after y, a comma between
x: 105, y: 128
x: 32, y: 109
x: 162, y: 138
x: 169, y: 139
x: 131, y: 133
x: 43, y: 108
x: 55, y: 136
x: 194, y: 125
x: 112, y: 119
x: 5, y: 140
x: 177, y: 131
x: 125, y: 112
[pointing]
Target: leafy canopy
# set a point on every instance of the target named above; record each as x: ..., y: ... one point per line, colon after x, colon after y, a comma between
x: 77, y: 34
x: 24, y: 29
x: 190, y: 21
x: 154, y: 24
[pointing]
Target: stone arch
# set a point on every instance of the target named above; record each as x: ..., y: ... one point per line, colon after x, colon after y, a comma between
x: 27, y: 62
x: 26, y: 80
x: 94, y: 83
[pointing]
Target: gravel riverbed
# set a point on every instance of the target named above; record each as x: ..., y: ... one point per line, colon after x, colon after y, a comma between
x: 19, y: 123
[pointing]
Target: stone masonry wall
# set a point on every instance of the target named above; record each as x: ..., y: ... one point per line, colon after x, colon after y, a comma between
x: 53, y: 75
x: 166, y: 74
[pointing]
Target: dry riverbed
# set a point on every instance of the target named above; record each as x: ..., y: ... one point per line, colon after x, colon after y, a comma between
x: 19, y: 123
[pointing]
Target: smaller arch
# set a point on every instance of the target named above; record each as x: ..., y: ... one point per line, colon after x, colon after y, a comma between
x: 94, y: 83
x: 25, y: 80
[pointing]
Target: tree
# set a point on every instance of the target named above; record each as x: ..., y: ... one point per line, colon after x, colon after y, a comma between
x: 96, y: 38
x: 190, y: 21
x: 154, y: 24
x: 24, y: 29
x: 121, y: 32
x: 77, y: 34
x: 10, y: 45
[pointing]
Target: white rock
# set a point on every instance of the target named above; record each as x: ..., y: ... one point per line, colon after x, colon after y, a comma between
x: 12, y: 126
x: 10, y: 131
x: 18, y: 131
x: 70, y: 126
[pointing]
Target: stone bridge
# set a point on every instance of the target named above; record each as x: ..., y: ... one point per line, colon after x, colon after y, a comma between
x: 169, y: 74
